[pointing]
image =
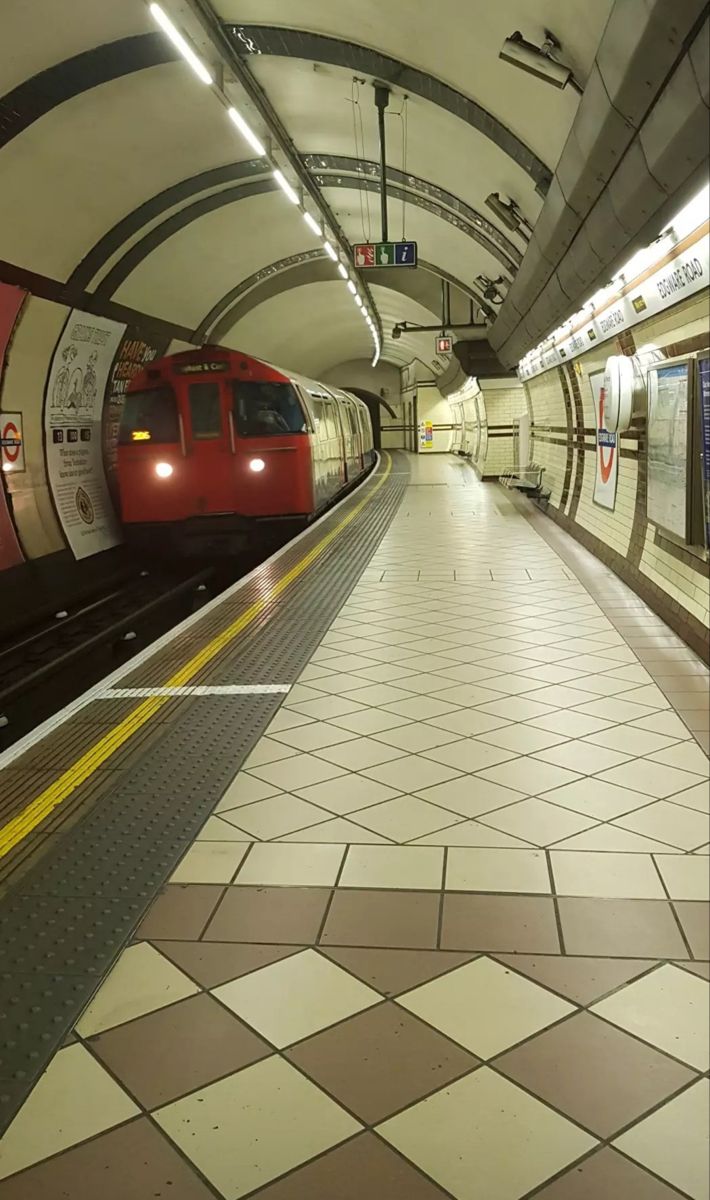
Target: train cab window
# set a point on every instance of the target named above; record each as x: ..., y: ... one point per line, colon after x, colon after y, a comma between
x: 149, y: 416
x: 266, y: 409
x: 205, y: 412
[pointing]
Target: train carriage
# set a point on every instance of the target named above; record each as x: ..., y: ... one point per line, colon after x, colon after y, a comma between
x: 217, y: 448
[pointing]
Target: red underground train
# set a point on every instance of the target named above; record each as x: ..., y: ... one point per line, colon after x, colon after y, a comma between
x: 216, y: 449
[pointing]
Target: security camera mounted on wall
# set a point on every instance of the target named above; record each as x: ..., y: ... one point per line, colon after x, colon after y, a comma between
x: 537, y: 60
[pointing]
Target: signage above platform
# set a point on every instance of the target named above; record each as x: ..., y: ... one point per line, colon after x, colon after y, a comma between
x: 385, y: 254
x: 444, y: 344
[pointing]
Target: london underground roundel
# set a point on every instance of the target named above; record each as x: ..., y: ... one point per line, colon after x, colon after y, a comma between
x: 618, y: 393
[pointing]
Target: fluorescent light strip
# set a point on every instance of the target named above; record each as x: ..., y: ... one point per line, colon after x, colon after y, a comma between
x: 286, y: 186
x: 312, y: 223
x: 351, y: 287
x: 358, y: 301
x: 179, y: 42
x: 247, y: 133
x: 343, y: 270
x: 330, y: 251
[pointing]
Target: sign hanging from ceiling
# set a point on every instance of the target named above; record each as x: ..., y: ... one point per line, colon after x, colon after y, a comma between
x: 444, y: 345
x: 385, y: 254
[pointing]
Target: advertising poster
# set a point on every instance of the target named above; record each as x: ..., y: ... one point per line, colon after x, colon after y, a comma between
x: 668, y: 447
x: 426, y: 435
x: 704, y: 389
x: 11, y: 301
x: 134, y: 352
x: 73, y: 406
x: 607, y: 473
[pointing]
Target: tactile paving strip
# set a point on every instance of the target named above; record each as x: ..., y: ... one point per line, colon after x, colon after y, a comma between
x: 72, y: 911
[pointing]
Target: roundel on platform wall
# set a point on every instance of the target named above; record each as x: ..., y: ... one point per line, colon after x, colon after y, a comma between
x: 618, y: 393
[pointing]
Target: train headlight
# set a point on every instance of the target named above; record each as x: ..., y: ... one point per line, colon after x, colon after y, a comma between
x: 163, y: 470
x: 256, y: 464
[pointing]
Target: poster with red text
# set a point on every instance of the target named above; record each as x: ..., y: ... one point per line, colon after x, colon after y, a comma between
x: 11, y: 301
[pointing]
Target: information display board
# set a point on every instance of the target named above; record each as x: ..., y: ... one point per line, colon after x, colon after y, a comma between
x: 704, y: 406
x: 667, y: 487
x: 73, y: 408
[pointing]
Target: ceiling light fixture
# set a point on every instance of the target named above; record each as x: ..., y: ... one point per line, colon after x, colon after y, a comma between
x: 312, y: 223
x: 247, y: 133
x: 351, y: 287
x: 343, y: 270
x: 330, y: 251
x: 286, y: 186
x: 180, y: 43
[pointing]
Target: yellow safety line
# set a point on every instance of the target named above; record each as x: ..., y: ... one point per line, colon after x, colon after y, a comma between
x: 44, y: 804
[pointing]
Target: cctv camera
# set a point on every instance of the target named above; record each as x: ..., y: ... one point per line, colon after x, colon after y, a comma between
x: 506, y: 212
x: 535, y: 61
x: 396, y: 332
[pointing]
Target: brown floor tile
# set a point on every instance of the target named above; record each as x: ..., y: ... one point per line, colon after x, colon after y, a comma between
x: 523, y: 923
x: 212, y: 963
x: 380, y: 918
x: 581, y: 980
x: 178, y: 1049
x: 607, y: 1176
x: 594, y: 1073
x: 269, y: 914
x: 362, y: 1169
x: 620, y: 928
x: 395, y: 971
x: 134, y: 1161
x: 381, y: 1061
x: 180, y: 911
x: 694, y: 916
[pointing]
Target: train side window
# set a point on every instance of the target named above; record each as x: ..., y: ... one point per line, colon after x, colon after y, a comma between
x: 266, y: 409
x: 149, y: 416
x: 205, y: 413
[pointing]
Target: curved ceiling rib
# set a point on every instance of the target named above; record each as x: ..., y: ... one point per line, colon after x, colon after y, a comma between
x: 297, y: 270
x: 251, y: 40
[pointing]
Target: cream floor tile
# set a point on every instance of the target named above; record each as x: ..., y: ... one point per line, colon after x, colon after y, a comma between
x: 686, y: 757
x: 383, y: 672
x: 422, y: 708
x: 275, y: 817
x: 411, y: 773
x: 697, y: 797
x: 629, y: 739
x: 417, y: 867
x: 570, y: 724
x: 583, y: 757
x: 360, y: 753
x: 491, y: 870
x: 614, y: 709
x: 517, y: 708
x: 406, y: 818
x: 416, y: 738
x: 663, y: 722
x: 609, y: 875
x: 286, y: 719
x: 668, y: 822
x: 298, y: 772
x: 277, y: 864
x: 377, y: 695
x: 537, y: 822
x: 369, y: 721
x: 485, y: 1006
x: 338, y: 831
x: 348, y: 794
x: 522, y: 739
x: 672, y: 1142
x: 670, y: 1008
x: 470, y: 796
x: 142, y: 981
x: 471, y: 833
x: 74, y: 1100
x: 314, y: 736
x: 467, y: 695
x: 653, y: 778
x: 685, y: 876
x: 559, y: 696
x: 277, y: 1120
x: 596, y: 798
x: 469, y: 755
x: 245, y: 789
x: 611, y: 838
x: 295, y: 997
x: 529, y: 775
x: 469, y: 722
x: 210, y: 862
x: 326, y: 708
x: 218, y: 829
x: 268, y: 751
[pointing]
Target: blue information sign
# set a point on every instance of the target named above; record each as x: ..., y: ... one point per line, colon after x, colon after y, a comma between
x: 704, y: 386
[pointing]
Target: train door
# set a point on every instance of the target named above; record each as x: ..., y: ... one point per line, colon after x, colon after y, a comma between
x: 351, y: 440
x: 210, y: 448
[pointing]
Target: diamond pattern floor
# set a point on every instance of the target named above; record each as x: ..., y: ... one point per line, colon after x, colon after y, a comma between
x: 446, y: 933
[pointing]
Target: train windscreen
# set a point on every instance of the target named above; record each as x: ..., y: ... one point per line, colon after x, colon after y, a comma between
x: 149, y: 416
x: 266, y: 409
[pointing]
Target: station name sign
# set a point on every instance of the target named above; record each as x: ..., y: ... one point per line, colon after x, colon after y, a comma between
x: 682, y: 272
x: 385, y: 254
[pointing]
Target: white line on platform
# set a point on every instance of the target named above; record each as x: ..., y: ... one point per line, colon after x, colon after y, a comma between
x: 229, y: 689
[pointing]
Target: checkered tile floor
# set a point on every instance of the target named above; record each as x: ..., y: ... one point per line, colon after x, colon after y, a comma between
x: 446, y: 934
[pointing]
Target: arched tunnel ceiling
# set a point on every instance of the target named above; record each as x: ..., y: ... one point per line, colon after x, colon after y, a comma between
x: 121, y: 177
